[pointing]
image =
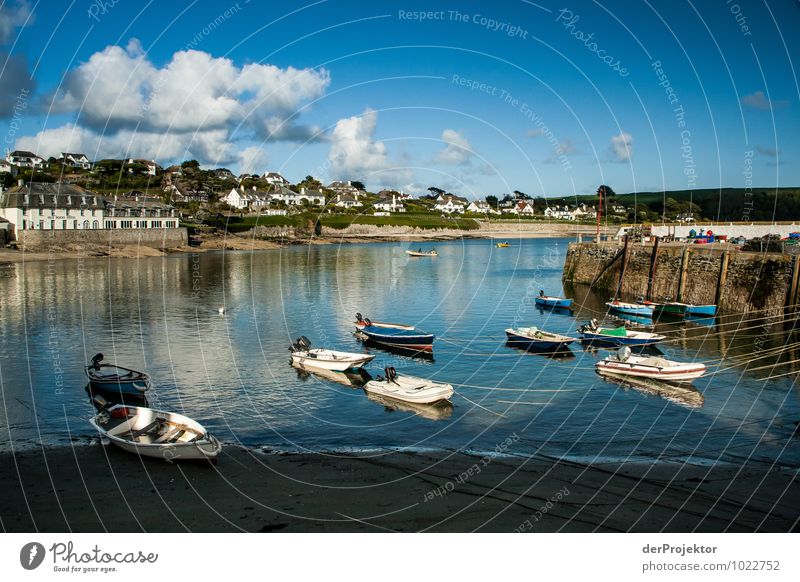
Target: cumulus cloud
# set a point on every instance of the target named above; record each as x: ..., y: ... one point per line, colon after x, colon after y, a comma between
x: 457, y: 150
x: 252, y: 160
x: 12, y: 18
x: 192, y: 106
x: 622, y: 147
x: 354, y: 151
x: 759, y: 100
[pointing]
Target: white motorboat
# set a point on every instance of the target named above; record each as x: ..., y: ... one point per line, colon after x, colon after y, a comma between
x: 304, y: 356
x: 409, y: 388
x: 623, y: 364
x: 155, y: 433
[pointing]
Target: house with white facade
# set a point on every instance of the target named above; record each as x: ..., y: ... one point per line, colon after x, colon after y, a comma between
x: 559, y: 213
x: 345, y: 187
x: 449, y: 204
x: 151, y: 165
x: 292, y: 198
x: 24, y: 159
x: 275, y: 179
x: 390, y: 204
x: 481, y: 207
x: 8, y: 167
x: 75, y: 161
x: 243, y: 199
x: 346, y: 201
x: 40, y: 206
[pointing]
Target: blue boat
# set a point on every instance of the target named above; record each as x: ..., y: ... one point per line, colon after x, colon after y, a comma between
x: 550, y: 301
x: 115, y: 379
x: 701, y: 310
x: 395, y: 335
x: 531, y: 338
x: 642, y: 309
x: 617, y: 336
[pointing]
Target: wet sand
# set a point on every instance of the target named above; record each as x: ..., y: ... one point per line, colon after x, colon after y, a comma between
x: 93, y: 488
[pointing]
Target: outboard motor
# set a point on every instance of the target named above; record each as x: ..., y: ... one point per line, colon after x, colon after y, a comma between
x: 391, y: 374
x: 96, y: 360
x: 359, y: 317
x: 367, y: 322
x: 623, y: 354
x: 304, y: 342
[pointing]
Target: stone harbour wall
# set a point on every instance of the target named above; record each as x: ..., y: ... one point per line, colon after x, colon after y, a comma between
x: 736, y: 281
x: 160, y: 238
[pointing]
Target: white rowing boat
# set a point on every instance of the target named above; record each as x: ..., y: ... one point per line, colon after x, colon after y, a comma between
x: 654, y: 367
x: 304, y: 356
x: 409, y: 388
x: 155, y: 433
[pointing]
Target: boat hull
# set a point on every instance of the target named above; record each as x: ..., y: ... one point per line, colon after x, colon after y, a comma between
x: 410, y: 389
x: 418, y: 254
x: 342, y: 363
x: 701, y: 310
x: 553, y: 302
x: 676, y: 310
x: 543, y: 345
x: 640, y: 310
x: 401, y: 339
x: 680, y: 374
x: 592, y: 337
x: 134, y: 388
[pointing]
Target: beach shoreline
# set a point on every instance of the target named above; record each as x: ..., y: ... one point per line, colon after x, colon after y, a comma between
x: 96, y: 488
x: 243, y: 242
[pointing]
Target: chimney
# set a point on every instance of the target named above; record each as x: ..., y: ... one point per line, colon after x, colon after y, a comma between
x: 302, y: 190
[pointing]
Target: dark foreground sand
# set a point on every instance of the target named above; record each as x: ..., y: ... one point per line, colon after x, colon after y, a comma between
x: 91, y: 488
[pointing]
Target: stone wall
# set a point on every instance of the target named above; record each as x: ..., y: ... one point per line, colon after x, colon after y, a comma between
x: 161, y: 238
x: 750, y: 281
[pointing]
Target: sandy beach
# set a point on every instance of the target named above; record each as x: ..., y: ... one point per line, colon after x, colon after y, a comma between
x: 94, y: 488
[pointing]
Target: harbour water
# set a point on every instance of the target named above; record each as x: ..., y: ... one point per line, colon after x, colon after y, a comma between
x: 231, y: 372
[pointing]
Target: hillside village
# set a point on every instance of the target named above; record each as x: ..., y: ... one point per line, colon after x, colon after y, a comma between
x: 71, y: 192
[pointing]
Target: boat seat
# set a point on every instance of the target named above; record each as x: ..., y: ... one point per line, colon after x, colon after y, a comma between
x: 122, y: 427
x: 171, y: 435
x: 148, y: 428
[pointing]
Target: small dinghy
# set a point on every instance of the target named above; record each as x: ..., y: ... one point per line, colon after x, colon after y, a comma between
x: 421, y: 253
x: 155, y: 433
x: 555, y: 302
x: 617, y: 336
x: 701, y: 310
x: 532, y: 338
x: 304, y: 356
x: 623, y: 364
x: 397, y: 336
x: 361, y: 322
x: 502, y: 245
x: 408, y: 388
x: 116, y: 379
x: 670, y: 309
x: 638, y: 308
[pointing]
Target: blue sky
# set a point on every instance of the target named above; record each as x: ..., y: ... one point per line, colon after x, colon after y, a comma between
x: 476, y: 98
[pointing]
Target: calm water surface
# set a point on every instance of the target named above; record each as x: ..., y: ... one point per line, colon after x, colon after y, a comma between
x: 232, y: 372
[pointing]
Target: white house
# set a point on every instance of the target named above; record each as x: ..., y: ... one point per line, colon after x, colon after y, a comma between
x: 275, y: 179
x: 524, y: 208
x: 559, y: 213
x: 390, y: 204
x: 8, y: 167
x: 450, y: 204
x: 151, y: 165
x: 40, y: 206
x: 342, y: 187
x: 618, y: 209
x: 347, y: 201
x: 481, y: 207
x: 241, y: 198
x: 291, y: 198
x: 24, y: 159
x: 75, y: 160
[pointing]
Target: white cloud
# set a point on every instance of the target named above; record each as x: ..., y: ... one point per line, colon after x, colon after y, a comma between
x: 13, y: 17
x: 759, y: 100
x: 252, y: 160
x: 354, y: 151
x: 622, y: 147
x: 457, y: 151
x: 190, y: 107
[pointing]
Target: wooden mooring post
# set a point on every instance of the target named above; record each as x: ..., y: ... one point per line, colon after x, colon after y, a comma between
x: 684, y: 268
x: 723, y: 278
x: 622, y: 269
x: 653, y: 266
x: 791, y: 297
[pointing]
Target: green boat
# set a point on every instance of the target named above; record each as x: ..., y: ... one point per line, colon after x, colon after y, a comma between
x: 670, y: 309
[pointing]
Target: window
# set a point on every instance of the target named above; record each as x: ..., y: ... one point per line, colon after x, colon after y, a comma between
x: 85, y: 224
x: 95, y: 224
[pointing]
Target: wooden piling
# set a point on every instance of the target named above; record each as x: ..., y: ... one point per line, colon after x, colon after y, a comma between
x: 653, y: 266
x: 722, y: 279
x: 624, y: 266
x: 682, y: 278
x: 791, y: 298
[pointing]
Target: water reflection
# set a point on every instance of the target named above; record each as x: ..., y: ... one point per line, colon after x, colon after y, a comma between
x: 437, y: 411
x: 684, y: 395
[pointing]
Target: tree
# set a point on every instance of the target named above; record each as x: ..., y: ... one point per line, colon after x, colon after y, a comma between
x: 435, y: 192
x: 605, y: 191
x: 521, y: 195
x: 492, y: 200
x: 190, y: 164
x: 358, y: 185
